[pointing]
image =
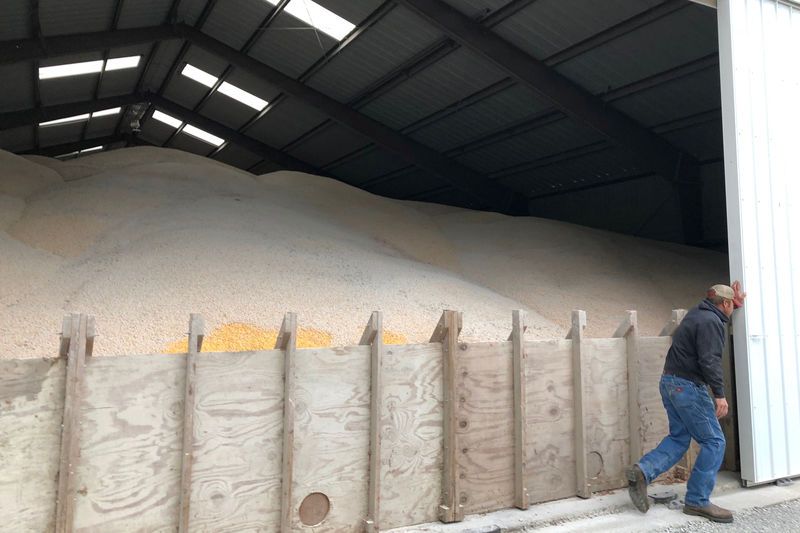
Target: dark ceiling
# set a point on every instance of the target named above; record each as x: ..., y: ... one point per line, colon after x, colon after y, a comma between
x: 500, y: 105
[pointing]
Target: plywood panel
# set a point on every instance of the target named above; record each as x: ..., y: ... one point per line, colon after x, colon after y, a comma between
x: 131, y: 436
x: 606, y: 412
x: 236, y: 477
x: 31, y: 407
x: 485, y: 394
x: 655, y: 426
x: 411, y: 476
x: 550, y: 450
x: 331, y: 449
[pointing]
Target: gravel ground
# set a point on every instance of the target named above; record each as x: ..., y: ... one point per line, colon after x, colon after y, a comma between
x: 778, y: 518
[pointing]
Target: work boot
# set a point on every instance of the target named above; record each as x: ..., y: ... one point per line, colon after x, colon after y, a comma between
x: 637, y: 487
x: 710, y: 511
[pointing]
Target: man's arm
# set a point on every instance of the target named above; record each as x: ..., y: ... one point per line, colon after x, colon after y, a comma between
x: 710, y: 340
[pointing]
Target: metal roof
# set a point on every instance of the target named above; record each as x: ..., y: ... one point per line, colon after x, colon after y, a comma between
x: 479, y: 103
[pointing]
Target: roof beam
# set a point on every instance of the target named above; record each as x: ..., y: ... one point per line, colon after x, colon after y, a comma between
x: 36, y: 115
x: 460, y: 176
x: 231, y: 135
x: 495, y: 196
x: 67, y: 148
x: 61, y: 45
x: 573, y: 100
x: 32, y: 117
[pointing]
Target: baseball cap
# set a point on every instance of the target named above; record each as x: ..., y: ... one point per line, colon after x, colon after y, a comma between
x: 726, y: 292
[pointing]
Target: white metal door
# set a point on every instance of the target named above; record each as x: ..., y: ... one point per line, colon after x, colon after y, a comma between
x: 759, y: 47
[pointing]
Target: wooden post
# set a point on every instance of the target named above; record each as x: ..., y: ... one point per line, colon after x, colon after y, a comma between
x: 196, y: 327
x: 576, y: 334
x: 373, y: 335
x: 673, y: 323
x: 287, y: 341
x: 446, y: 332
x: 629, y: 330
x: 520, y: 469
x: 68, y: 460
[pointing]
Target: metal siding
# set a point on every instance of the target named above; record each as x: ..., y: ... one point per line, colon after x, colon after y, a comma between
x: 189, y: 10
x: 254, y: 85
x: 187, y: 143
x: 481, y: 118
x: 58, y: 17
x: 237, y: 156
x: 597, y: 167
x: 285, y: 122
x: 449, y: 80
x: 101, y: 126
x: 15, y: 20
x: 392, y: 41
x: 760, y: 84
x: 234, y: 26
x: 676, y: 39
x: 60, y: 133
x: 703, y: 141
x: 156, y: 132
x: 290, y: 45
x: 349, y: 10
x: 368, y: 166
x: 330, y: 145
x: 142, y: 13
x: 476, y: 8
x: 19, y: 76
x: 227, y: 111
x: 553, y: 138
x: 66, y: 90
x: 678, y: 98
x: 549, y: 26
x: 17, y: 139
x: 162, y: 61
x: 410, y: 184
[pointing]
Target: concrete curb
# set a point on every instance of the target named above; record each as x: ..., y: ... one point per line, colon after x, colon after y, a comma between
x: 614, y: 511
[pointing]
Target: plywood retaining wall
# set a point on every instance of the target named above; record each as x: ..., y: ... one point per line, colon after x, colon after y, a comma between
x: 367, y: 437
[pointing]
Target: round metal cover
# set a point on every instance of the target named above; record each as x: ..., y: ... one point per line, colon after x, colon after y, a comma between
x: 663, y: 497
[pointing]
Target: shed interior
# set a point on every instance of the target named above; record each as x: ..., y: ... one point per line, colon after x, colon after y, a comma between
x: 605, y: 114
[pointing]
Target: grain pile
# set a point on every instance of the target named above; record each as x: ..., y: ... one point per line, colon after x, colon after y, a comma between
x: 142, y: 237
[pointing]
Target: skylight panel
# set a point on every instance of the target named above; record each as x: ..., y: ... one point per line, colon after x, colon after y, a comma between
x: 67, y: 120
x: 78, y: 152
x: 202, y: 135
x: 228, y: 89
x: 88, y: 67
x: 314, y: 14
x: 119, y: 63
x: 199, y: 76
x: 242, y: 96
x: 70, y: 69
x: 107, y: 112
x: 166, y: 119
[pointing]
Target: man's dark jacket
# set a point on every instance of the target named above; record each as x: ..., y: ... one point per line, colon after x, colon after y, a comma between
x: 696, y: 352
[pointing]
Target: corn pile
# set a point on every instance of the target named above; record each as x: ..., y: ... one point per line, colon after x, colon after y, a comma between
x: 237, y: 337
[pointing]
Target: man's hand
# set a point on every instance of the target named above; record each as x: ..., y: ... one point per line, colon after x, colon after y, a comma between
x: 722, y: 407
x: 738, y: 294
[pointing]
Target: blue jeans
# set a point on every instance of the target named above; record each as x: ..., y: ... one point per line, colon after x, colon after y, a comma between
x: 692, y: 415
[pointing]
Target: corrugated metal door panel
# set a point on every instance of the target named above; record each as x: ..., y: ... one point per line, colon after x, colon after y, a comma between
x: 760, y: 82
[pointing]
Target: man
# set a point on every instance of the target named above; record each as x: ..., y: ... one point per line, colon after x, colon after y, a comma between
x: 694, y: 361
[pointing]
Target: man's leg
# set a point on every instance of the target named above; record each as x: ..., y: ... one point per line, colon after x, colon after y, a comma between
x: 672, y: 447
x: 665, y: 455
x: 704, y: 427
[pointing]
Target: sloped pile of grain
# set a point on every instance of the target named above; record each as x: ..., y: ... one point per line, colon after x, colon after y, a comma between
x: 141, y: 237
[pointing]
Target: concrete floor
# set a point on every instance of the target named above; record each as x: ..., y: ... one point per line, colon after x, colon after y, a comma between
x: 615, y: 512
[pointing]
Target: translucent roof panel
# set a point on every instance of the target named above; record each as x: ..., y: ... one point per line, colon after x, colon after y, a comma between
x: 319, y: 17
